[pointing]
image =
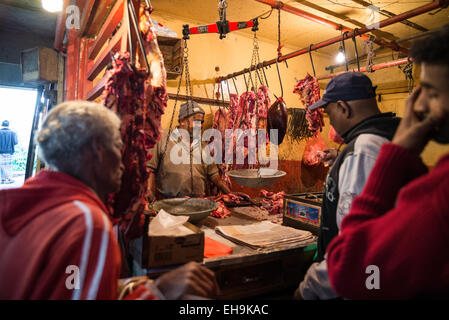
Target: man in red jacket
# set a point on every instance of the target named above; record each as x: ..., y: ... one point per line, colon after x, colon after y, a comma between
x: 56, y: 240
x: 393, y: 243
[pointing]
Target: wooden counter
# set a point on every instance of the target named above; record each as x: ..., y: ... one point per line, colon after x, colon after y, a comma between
x: 248, y: 273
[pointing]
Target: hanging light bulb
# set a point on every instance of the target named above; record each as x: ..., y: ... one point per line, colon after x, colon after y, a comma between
x: 52, y: 5
x: 340, y: 56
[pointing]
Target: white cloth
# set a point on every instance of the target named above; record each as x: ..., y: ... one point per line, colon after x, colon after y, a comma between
x: 353, y: 174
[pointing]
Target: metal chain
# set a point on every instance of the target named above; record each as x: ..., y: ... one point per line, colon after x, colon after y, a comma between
x: 171, y: 121
x: 189, y: 94
x: 222, y: 5
x: 279, y: 32
x: 187, y: 72
x: 370, y: 54
x: 257, y: 55
x: 191, y: 168
x: 408, y: 71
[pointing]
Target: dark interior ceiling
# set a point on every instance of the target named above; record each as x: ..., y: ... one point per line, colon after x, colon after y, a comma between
x: 24, y: 24
x: 27, y: 16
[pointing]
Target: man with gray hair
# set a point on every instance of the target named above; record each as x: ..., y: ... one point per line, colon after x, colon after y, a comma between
x: 188, y: 178
x: 56, y: 240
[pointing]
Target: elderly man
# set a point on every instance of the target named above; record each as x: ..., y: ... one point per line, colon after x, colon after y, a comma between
x: 56, y: 241
x: 8, y: 139
x: 393, y: 242
x: 172, y: 178
x: 350, y: 102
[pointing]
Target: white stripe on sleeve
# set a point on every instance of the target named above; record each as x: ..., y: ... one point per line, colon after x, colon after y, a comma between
x: 86, y: 248
x: 101, y: 260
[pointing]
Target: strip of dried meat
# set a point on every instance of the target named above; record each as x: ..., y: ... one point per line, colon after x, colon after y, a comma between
x: 139, y: 99
x: 308, y: 90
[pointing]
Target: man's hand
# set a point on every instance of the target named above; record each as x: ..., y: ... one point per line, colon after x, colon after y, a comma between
x: 190, y: 279
x: 216, y: 179
x: 414, y: 133
x: 328, y: 156
x: 149, y: 196
x: 298, y: 295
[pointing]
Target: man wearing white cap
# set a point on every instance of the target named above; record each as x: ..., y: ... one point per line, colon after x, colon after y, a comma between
x: 172, y: 180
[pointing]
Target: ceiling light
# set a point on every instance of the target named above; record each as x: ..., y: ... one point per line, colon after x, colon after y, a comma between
x: 340, y: 56
x: 52, y: 5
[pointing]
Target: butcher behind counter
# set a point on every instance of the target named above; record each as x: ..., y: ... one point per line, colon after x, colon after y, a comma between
x: 172, y: 180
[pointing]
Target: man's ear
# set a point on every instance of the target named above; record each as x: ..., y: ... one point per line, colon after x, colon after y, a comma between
x: 344, y: 108
x: 97, y: 150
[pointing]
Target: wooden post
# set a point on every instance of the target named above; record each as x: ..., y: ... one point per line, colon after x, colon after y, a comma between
x: 72, y: 65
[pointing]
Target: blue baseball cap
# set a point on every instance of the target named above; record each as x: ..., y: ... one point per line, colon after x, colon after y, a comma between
x: 347, y: 86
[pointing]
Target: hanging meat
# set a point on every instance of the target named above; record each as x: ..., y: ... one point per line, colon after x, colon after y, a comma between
x: 220, y: 124
x: 250, y: 112
x: 263, y: 102
x: 308, y: 90
x: 278, y: 119
x: 139, y: 98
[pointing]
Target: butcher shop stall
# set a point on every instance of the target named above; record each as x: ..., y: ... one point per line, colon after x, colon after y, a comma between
x: 247, y: 203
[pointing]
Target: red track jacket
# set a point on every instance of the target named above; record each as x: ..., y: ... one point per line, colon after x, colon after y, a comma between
x: 56, y: 242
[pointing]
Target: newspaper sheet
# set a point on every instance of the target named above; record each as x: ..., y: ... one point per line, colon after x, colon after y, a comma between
x: 263, y: 235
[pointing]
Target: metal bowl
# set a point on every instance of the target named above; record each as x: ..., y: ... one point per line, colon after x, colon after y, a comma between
x: 250, y: 178
x: 196, y: 209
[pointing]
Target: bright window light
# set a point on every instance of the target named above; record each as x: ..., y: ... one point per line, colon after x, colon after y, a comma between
x: 52, y: 5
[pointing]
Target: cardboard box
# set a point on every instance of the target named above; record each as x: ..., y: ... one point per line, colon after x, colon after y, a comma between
x: 39, y: 65
x: 162, y: 251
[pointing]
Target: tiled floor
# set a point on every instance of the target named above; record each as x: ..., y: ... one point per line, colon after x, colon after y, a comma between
x: 18, y: 182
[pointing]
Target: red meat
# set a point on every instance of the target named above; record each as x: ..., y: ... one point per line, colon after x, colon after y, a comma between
x: 309, y: 93
x: 272, y: 202
x: 139, y: 99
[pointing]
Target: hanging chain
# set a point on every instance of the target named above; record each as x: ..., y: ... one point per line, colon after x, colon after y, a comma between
x: 191, y: 169
x: 187, y: 72
x: 408, y: 71
x: 254, y: 59
x: 222, y: 5
x: 370, y: 54
x: 279, y: 32
x: 189, y: 94
x: 171, y: 120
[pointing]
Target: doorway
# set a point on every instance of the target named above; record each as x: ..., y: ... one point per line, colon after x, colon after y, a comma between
x: 17, y: 106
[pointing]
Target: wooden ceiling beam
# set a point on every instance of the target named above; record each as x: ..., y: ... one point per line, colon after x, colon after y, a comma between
x: 391, y: 15
x: 108, y: 27
x: 99, y: 16
x: 86, y: 8
x: 61, y: 26
x: 378, y: 33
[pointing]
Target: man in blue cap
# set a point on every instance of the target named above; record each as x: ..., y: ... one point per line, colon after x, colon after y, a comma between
x: 350, y: 102
x: 173, y: 180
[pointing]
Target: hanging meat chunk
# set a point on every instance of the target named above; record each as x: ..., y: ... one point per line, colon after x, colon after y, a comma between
x: 263, y: 103
x: 278, y: 119
x: 139, y: 98
x: 220, y: 123
x: 308, y: 90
